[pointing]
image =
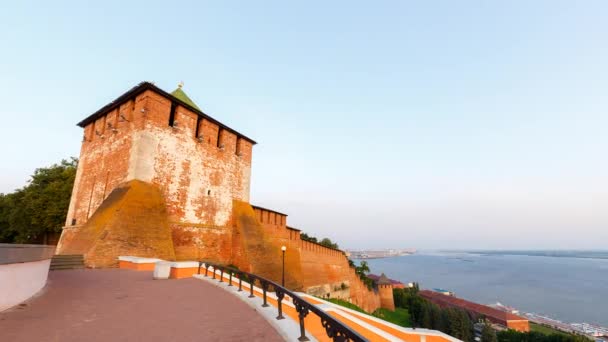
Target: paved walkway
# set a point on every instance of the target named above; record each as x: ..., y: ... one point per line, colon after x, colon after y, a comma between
x: 125, y: 305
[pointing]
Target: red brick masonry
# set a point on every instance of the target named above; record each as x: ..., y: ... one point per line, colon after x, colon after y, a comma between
x: 122, y: 305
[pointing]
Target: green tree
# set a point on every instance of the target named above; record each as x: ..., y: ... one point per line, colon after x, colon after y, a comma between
x: 309, y: 238
x: 400, y: 299
x: 328, y: 243
x: 488, y: 334
x: 436, y: 316
x: 7, y: 203
x: 444, y: 324
x: 425, y: 316
x: 39, y: 208
x: 362, y: 269
x: 466, y: 332
x: 455, y: 323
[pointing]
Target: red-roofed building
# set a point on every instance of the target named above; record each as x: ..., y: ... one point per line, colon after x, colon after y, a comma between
x: 496, y: 316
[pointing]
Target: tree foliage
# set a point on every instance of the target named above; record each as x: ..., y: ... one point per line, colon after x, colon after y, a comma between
x: 362, y: 270
x: 457, y: 322
x: 323, y: 242
x: 40, y: 207
x: 309, y: 238
x: 328, y: 243
x: 488, y: 334
x: 425, y: 314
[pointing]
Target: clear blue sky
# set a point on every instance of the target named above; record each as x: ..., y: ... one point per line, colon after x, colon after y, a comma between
x: 425, y: 124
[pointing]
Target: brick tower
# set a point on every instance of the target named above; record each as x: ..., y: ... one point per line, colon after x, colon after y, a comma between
x: 385, y: 289
x: 158, y: 177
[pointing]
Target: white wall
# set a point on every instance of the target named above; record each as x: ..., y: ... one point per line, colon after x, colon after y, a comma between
x: 20, y: 281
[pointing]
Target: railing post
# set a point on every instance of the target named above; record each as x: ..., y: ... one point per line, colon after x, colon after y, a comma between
x: 206, y: 269
x: 302, y: 312
x: 214, y: 272
x: 264, y: 288
x: 230, y: 278
x: 240, y: 282
x: 302, y: 330
x: 251, y: 287
x: 280, y: 296
x: 221, y: 274
x: 199, y: 267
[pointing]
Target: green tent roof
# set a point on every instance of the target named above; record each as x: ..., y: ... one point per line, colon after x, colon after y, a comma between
x: 180, y: 94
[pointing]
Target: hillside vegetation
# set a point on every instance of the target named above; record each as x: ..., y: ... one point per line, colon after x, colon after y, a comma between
x: 39, y: 209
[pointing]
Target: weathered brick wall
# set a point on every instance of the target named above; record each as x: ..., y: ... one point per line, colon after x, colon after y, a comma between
x: 326, y: 271
x: 322, y: 265
x: 198, y: 175
x: 202, y: 242
x: 360, y: 295
x: 104, y: 161
x: 116, y: 228
x: 199, y: 167
x: 260, y: 252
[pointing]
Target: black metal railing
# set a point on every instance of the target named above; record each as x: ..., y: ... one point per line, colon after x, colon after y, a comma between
x: 334, y: 328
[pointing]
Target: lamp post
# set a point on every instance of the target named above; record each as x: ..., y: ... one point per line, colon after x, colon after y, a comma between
x: 283, y: 249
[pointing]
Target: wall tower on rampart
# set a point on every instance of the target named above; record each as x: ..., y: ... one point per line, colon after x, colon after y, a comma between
x: 385, y: 289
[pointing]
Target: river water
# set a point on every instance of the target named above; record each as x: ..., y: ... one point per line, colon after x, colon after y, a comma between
x: 571, y: 289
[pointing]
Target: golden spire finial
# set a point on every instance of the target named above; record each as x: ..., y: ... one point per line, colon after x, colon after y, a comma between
x: 180, y: 84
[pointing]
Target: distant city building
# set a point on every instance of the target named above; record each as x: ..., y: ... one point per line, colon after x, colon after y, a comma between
x: 377, y: 254
x: 445, y: 292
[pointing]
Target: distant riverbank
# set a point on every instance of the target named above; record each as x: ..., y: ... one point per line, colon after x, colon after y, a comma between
x: 548, y: 253
x: 571, y: 286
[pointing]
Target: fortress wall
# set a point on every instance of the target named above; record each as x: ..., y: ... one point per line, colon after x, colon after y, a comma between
x: 275, y: 225
x: 258, y: 251
x: 270, y: 217
x: 360, y: 295
x: 325, y: 270
x: 322, y: 266
x: 277, y: 234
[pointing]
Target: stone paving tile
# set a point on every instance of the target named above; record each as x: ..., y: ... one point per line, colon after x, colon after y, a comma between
x: 124, y: 305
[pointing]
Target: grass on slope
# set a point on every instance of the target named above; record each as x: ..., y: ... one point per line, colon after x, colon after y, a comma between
x: 400, y: 316
x: 346, y: 304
